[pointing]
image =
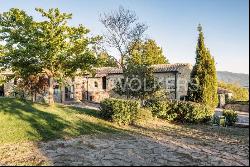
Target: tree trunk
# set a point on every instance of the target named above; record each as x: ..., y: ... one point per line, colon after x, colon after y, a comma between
x: 51, y: 91
x: 127, y: 88
x: 33, y: 97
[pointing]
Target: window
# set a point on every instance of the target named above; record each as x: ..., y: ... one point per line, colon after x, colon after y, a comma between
x: 56, y: 89
x: 15, y: 81
x: 171, y: 81
x: 96, y: 84
x: 104, y: 83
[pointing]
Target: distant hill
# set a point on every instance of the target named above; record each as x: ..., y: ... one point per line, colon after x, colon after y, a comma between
x: 242, y: 79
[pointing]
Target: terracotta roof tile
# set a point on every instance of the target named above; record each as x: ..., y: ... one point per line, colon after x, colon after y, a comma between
x: 171, y: 67
x: 157, y: 68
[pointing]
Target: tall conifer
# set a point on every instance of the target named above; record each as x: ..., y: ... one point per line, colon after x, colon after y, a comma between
x: 203, y: 86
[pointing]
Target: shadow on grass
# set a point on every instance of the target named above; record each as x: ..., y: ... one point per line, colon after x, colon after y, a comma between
x: 72, y: 109
x: 48, y: 125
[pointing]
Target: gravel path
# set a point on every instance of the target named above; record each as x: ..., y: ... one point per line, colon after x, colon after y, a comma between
x: 129, y: 150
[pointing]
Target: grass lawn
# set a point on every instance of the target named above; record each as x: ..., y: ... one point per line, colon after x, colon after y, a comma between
x: 25, y: 121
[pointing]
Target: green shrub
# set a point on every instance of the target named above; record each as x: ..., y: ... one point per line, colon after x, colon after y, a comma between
x: 231, y: 117
x: 143, y: 116
x: 161, y: 109
x: 119, y: 111
x: 180, y: 111
x: 160, y: 94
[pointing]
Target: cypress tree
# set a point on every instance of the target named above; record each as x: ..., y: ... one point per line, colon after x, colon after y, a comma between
x: 203, y: 85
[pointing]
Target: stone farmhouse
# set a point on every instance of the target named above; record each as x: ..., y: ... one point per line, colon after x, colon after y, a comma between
x: 174, y: 79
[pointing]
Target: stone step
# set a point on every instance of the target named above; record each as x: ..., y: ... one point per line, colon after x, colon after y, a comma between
x: 242, y: 125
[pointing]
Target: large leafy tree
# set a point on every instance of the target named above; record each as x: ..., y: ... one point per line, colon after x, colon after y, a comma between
x: 105, y: 60
x: 1, y: 50
x: 50, y: 46
x: 139, y: 72
x: 1, y: 53
x: 126, y: 35
x: 139, y: 75
x: 122, y: 30
x: 33, y: 85
x: 138, y: 83
x: 203, y: 86
x: 19, y: 33
x: 147, y: 53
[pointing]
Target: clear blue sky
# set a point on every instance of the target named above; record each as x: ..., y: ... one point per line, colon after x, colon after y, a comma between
x: 172, y: 23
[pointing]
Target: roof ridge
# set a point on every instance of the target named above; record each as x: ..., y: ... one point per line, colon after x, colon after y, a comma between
x: 157, y: 68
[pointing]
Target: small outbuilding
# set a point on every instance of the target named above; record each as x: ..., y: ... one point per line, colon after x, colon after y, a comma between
x: 224, y: 95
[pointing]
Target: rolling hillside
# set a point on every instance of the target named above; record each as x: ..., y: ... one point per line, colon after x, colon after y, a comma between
x: 242, y: 79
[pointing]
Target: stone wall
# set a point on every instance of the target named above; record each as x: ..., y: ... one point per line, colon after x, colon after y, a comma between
x: 183, y: 80
x: 78, y: 86
x: 237, y: 107
x: 93, y: 84
x: 59, y: 91
x: 92, y: 88
x: 8, y: 88
x: 222, y: 100
x: 167, y: 79
x: 112, y: 80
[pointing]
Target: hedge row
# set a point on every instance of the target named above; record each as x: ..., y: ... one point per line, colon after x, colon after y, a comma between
x: 128, y: 111
x: 181, y: 111
x: 119, y: 111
